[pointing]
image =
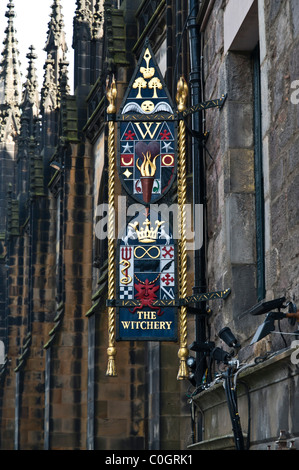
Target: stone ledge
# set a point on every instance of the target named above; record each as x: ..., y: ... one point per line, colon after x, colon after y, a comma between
x: 258, y: 374
x: 271, y: 385
x: 226, y: 442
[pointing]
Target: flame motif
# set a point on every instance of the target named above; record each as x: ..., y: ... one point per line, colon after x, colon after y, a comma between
x: 148, y: 167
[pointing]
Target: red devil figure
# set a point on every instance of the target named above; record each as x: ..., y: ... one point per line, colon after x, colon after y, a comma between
x: 146, y: 295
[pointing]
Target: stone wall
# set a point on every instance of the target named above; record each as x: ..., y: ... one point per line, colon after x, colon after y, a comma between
x: 280, y: 59
x: 231, y: 197
x: 272, y: 386
x: 233, y: 235
x: 230, y: 179
x: 69, y: 350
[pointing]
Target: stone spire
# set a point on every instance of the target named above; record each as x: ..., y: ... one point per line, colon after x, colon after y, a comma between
x: 82, y: 22
x: 49, y: 90
x: 98, y: 19
x: 30, y: 95
x: 56, y: 43
x: 10, y: 76
x: 83, y: 10
x: 29, y: 137
x: 10, y: 82
x: 91, y: 12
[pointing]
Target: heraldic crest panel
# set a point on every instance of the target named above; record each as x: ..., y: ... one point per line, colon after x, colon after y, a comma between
x: 147, y: 273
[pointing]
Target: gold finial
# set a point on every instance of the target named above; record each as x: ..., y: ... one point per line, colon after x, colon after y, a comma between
x: 111, y: 93
x: 147, y: 72
x: 182, y: 94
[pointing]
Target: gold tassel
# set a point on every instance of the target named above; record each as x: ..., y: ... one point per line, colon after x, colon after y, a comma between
x: 111, y: 367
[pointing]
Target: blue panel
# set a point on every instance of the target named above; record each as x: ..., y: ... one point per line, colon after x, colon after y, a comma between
x: 147, y: 273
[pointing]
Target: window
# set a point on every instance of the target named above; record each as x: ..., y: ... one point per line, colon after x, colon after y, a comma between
x: 161, y: 57
x: 240, y: 25
x: 2, y: 353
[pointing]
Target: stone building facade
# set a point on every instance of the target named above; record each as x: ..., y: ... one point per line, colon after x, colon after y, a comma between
x: 251, y: 221
x: 242, y: 173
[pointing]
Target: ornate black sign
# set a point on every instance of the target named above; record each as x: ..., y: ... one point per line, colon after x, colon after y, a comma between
x: 147, y: 164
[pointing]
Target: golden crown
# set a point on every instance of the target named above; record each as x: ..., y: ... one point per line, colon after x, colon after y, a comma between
x: 147, y: 234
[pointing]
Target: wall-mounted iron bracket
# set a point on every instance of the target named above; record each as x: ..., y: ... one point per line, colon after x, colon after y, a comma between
x: 217, y: 103
x: 218, y: 295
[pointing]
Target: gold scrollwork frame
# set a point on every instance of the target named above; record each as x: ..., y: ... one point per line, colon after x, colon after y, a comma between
x: 182, y: 93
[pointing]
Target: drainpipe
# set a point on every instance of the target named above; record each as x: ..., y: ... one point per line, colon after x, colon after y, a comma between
x: 198, y: 180
x: 178, y: 29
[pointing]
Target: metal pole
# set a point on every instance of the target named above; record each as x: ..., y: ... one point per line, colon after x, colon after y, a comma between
x: 111, y: 350
x: 182, y: 187
x: 198, y: 176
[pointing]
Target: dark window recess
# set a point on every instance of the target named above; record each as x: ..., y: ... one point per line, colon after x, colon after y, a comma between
x: 259, y: 179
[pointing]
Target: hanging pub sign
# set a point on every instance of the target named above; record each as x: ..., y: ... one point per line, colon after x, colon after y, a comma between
x: 147, y: 265
x: 147, y: 167
x: 143, y: 286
